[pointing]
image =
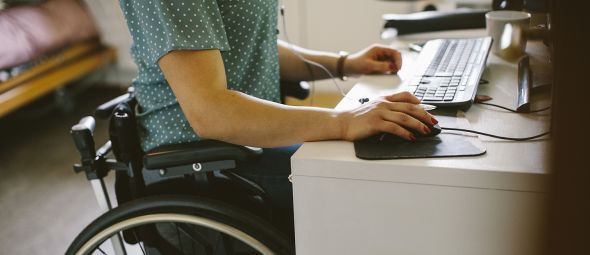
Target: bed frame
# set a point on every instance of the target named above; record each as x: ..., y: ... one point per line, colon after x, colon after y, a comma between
x: 57, y: 71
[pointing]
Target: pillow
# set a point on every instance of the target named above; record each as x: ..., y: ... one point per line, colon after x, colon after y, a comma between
x: 6, y: 3
x: 28, y: 31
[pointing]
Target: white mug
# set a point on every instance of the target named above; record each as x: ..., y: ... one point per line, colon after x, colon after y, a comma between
x: 508, y: 31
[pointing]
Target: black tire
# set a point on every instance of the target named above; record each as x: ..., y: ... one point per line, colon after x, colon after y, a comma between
x: 191, y: 207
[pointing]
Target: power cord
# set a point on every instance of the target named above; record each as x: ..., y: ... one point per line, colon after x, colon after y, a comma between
x: 503, y: 137
x: 514, y: 111
x: 497, y: 136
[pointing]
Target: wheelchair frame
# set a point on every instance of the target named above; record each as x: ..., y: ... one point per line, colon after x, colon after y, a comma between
x: 200, y: 159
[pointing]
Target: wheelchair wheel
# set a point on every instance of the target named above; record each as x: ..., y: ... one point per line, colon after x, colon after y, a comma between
x: 179, y: 225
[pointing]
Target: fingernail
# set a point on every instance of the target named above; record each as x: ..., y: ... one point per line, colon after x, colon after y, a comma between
x: 412, y: 137
x: 434, y: 121
x: 426, y: 130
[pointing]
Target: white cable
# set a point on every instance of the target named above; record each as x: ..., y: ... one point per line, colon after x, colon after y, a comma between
x: 302, y: 58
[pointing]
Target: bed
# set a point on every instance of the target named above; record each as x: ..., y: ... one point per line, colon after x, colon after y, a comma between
x: 45, y: 46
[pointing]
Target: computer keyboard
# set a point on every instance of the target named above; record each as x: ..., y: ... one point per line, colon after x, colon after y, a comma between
x: 448, y: 71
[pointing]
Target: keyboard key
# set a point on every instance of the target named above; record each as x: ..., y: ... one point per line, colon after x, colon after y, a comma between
x: 464, y: 81
x: 472, y: 58
x: 479, y: 58
x: 432, y: 98
x: 468, y: 69
x: 443, y: 74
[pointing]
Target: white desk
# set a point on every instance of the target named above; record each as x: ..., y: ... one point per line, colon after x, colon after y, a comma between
x: 490, y: 204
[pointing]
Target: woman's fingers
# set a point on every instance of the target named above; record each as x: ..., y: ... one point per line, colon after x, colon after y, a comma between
x: 387, y: 53
x: 407, y: 116
x: 395, y: 129
x: 405, y: 121
x: 414, y: 110
x: 406, y: 97
x: 381, y: 67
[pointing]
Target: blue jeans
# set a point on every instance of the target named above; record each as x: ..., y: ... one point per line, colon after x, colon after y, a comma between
x: 271, y: 172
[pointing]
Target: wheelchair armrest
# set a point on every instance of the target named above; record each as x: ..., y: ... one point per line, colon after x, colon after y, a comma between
x: 197, y: 152
x: 430, y: 21
x: 106, y: 110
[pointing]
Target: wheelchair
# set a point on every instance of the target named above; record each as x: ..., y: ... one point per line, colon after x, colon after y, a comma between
x: 175, y: 199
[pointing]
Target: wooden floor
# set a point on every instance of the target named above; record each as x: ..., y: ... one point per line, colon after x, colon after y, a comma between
x: 43, y: 203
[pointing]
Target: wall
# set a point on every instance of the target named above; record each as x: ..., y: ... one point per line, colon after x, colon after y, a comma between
x: 330, y: 25
x: 109, y: 19
x: 353, y: 25
x: 334, y: 25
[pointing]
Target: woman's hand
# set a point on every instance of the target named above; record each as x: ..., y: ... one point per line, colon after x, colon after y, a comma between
x: 376, y: 59
x: 395, y: 114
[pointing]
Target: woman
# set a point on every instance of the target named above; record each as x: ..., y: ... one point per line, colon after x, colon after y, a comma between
x: 211, y: 68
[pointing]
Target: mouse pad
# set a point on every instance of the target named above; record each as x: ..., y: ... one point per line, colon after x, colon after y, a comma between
x: 392, y: 147
x: 446, y: 144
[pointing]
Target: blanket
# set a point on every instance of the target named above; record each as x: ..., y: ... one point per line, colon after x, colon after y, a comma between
x: 28, y: 31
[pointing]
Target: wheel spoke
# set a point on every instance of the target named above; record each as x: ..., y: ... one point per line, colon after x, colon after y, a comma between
x: 179, y: 238
x: 139, y: 243
x: 99, y: 249
x: 201, y: 224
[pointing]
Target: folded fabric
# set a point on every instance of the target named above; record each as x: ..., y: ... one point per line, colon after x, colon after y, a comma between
x: 7, y: 3
x: 28, y: 31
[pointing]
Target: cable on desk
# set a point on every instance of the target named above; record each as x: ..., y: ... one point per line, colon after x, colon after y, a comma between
x: 515, y: 111
x: 497, y: 136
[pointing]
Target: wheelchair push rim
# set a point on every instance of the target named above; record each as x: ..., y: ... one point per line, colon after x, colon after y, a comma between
x: 169, y: 217
x: 210, y: 215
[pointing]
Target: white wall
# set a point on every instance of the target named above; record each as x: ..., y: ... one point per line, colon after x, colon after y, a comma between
x: 348, y: 25
x: 334, y: 25
x: 111, y: 24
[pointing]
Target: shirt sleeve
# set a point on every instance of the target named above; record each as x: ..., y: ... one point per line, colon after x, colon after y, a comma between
x: 160, y: 26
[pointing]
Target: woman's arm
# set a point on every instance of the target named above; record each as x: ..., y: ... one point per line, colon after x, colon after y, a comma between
x: 374, y: 59
x: 218, y: 113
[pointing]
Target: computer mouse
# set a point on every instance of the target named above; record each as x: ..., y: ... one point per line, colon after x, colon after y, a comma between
x: 435, y: 130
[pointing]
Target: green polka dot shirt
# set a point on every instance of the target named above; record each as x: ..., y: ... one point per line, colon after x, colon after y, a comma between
x: 243, y: 30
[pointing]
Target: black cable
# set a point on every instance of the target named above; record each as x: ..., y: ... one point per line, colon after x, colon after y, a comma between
x: 515, y: 111
x: 497, y: 136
